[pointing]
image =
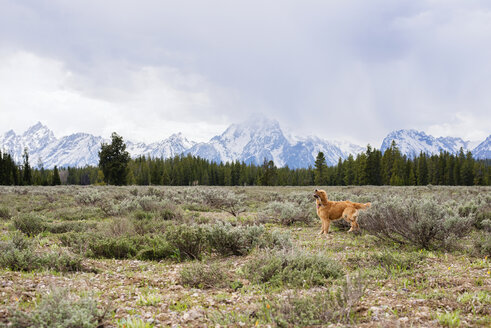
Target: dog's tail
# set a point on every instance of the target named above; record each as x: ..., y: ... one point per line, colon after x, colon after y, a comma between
x: 361, y: 206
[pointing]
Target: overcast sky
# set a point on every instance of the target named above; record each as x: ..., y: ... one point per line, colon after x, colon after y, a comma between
x: 349, y: 70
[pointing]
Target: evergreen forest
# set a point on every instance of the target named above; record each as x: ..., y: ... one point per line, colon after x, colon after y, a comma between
x: 371, y: 167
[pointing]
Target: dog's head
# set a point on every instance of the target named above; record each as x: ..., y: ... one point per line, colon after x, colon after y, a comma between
x: 320, y: 195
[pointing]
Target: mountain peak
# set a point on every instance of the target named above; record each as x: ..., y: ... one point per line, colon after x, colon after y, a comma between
x: 483, y: 150
x: 36, y: 127
x: 411, y: 142
x: 250, y: 141
x: 38, y: 130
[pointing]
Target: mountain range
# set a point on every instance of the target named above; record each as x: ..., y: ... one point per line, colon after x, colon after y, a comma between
x: 251, y: 141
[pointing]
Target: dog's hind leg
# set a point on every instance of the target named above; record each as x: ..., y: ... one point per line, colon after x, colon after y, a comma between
x: 354, y: 222
x: 351, y: 215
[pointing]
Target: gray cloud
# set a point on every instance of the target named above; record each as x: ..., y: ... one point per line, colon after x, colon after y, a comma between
x: 337, y: 69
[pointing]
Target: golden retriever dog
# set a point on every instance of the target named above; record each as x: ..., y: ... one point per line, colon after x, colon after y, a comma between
x: 329, y: 211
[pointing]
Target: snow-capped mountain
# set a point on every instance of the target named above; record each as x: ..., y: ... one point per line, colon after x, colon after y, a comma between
x: 483, y: 150
x: 252, y: 141
x: 303, y: 152
x: 176, y: 144
x: 36, y: 137
x: 412, y: 142
x: 260, y: 138
x: 79, y: 149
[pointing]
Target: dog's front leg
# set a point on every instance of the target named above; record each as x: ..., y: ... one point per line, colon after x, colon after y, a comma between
x: 325, y: 227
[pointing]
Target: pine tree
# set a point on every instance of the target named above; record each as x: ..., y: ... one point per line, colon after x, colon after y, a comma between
x: 56, y: 177
x: 422, y: 170
x: 113, y: 160
x: 349, y: 171
x: 361, y: 169
x: 320, y: 170
x: 26, y: 169
x: 268, y: 175
x: 466, y: 173
x: 373, y: 167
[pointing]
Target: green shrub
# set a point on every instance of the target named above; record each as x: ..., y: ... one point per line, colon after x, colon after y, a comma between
x: 288, y: 213
x: 478, y: 209
x: 18, y: 254
x: 482, y: 218
x: 119, y: 226
x: 78, y: 242
x: 62, y: 262
x: 122, y: 247
x: 227, y: 240
x: 58, y: 309
x: 169, y: 213
x: 30, y: 224
x: 148, y: 203
x: 89, y: 197
x: 189, y: 240
x: 18, y: 259
x: 299, y: 269
x: 75, y: 226
x: 5, y: 213
x: 423, y: 223
x: 20, y: 242
x: 321, y: 308
x: 482, y: 244
x: 157, y: 249
x: 142, y: 215
x: 204, y: 276
x: 154, y: 248
x: 224, y: 239
x: 149, y: 226
x: 76, y: 214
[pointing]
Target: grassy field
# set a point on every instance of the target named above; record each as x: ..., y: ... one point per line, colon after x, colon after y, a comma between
x: 75, y: 256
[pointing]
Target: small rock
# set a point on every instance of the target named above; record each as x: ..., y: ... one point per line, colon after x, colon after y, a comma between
x: 404, y: 319
x: 191, y: 315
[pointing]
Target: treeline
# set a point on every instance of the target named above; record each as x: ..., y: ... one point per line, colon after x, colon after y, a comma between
x: 25, y: 175
x: 392, y: 168
x: 368, y: 168
x: 190, y: 170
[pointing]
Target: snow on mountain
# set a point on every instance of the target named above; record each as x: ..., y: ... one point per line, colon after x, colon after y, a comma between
x: 175, y: 145
x: 35, y: 140
x: 412, y: 142
x: 75, y: 150
x: 483, y: 150
x: 79, y: 149
x: 260, y: 138
x: 252, y: 141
